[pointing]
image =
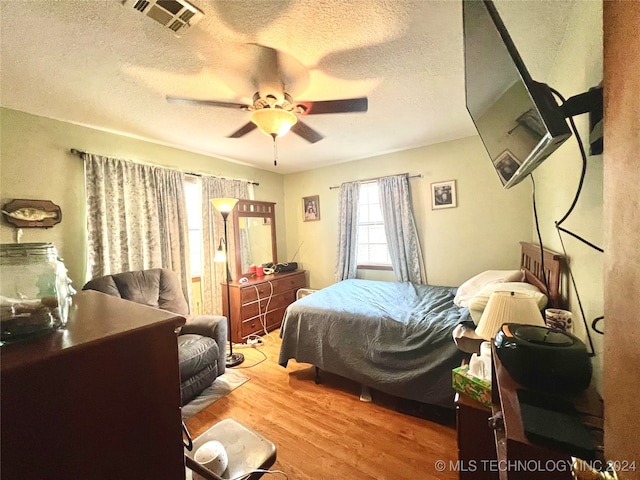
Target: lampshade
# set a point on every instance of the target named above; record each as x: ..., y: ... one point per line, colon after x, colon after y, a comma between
x: 274, y: 121
x: 508, y: 307
x: 220, y: 256
x: 224, y: 205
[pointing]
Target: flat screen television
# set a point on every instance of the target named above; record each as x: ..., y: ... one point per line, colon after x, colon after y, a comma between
x: 518, y: 119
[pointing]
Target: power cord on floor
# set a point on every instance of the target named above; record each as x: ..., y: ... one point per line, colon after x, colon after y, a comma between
x: 253, y: 341
x: 254, y: 364
x: 260, y: 470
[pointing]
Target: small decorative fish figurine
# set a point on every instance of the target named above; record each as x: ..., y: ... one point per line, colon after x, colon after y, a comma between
x: 30, y: 214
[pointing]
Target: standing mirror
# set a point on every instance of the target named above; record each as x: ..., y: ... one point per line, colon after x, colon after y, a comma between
x: 254, y: 230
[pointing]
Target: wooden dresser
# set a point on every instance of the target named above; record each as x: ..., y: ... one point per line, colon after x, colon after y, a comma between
x: 260, y: 303
x: 99, y: 400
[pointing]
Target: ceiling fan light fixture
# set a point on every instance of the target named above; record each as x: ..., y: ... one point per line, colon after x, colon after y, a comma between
x: 274, y: 122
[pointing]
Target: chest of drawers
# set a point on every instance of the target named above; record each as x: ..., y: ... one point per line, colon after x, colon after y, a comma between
x: 99, y: 399
x: 259, y: 304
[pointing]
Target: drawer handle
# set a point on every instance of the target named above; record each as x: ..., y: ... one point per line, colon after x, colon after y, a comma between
x: 496, y: 422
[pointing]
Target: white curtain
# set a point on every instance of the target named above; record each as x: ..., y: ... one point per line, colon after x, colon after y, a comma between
x: 400, y: 229
x: 347, y: 260
x: 213, y: 274
x: 136, y: 218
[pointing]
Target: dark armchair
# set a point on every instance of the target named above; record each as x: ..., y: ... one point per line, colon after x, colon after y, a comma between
x: 201, y: 341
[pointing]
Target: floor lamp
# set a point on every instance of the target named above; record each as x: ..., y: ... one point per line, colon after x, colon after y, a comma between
x: 225, y: 206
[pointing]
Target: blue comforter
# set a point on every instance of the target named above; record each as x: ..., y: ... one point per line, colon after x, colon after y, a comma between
x: 391, y: 336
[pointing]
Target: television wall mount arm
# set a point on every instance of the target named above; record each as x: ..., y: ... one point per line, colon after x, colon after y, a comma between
x: 588, y: 102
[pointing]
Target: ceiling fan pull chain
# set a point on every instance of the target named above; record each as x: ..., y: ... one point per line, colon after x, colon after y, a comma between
x: 275, y: 151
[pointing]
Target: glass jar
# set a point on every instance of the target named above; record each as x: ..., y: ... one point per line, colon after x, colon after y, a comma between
x: 35, y: 292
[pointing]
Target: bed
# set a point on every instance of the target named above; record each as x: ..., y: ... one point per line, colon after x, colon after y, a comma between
x: 395, y: 337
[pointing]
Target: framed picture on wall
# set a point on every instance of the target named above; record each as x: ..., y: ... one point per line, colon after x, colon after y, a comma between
x: 311, y: 208
x: 506, y: 165
x: 443, y: 195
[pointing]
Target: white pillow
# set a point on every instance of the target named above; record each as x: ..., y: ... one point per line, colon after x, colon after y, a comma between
x: 471, y: 287
x: 478, y: 303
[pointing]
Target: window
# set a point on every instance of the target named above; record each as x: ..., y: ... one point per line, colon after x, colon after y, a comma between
x: 372, y: 241
x: 194, y: 220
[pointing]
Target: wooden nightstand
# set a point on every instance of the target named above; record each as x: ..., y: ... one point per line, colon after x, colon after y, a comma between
x: 476, y: 443
x: 512, y: 445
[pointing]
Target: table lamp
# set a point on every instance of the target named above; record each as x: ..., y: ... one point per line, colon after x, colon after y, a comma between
x: 508, y: 307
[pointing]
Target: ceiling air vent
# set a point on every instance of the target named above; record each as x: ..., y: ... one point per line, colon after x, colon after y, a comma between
x: 176, y: 15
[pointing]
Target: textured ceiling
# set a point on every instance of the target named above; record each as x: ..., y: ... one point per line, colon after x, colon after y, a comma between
x: 100, y: 64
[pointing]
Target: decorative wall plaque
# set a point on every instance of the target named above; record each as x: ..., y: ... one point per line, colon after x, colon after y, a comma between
x: 32, y: 213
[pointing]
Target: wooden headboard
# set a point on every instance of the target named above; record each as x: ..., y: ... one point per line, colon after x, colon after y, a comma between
x: 531, y: 262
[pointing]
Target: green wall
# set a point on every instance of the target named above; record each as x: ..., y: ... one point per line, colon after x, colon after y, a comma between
x: 577, y: 68
x: 489, y: 221
x: 35, y: 163
x: 481, y: 233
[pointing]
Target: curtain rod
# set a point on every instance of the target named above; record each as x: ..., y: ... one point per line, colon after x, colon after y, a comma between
x: 224, y: 178
x: 80, y: 153
x: 418, y: 175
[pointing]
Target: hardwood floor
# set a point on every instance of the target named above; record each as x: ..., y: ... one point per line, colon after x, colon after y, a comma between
x: 324, y: 431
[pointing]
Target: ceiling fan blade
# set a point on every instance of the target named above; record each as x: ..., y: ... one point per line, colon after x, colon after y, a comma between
x: 208, y: 103
x: 334, y: 106
x: 306, y: 132
x: 242, y: 131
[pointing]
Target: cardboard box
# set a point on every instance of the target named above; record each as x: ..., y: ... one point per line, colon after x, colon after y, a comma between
x: 471, y: 386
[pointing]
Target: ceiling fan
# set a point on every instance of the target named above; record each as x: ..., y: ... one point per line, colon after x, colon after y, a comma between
x: 273, y: 110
